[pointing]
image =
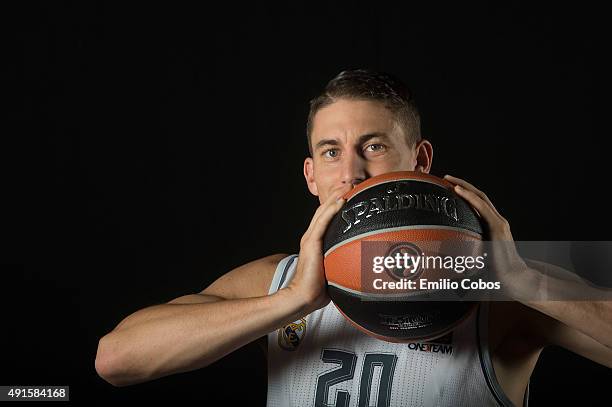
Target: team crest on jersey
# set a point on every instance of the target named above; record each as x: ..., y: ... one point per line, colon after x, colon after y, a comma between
x: 290, y: 336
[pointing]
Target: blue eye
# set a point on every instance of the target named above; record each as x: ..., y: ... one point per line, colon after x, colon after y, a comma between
x: 377, y: 147
x: 330, y: 151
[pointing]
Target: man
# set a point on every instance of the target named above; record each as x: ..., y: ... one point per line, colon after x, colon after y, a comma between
x: 364, y: 124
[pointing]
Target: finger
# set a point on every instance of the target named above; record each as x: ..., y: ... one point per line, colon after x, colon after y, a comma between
x: 341, y: 191
x: 317, y: 213
x: 471, y: 187
x: 324, y: 219
x: 466, y: 185
x: 478, y: 203
x: 335, y: 194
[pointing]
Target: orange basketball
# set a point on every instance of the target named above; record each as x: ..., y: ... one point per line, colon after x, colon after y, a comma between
x: 400, y: 215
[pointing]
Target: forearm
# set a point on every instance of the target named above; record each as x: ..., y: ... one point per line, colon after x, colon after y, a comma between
x: 568, y: 299
x: 593, y: 318
x: 174, y: 338
x: 161, y: 311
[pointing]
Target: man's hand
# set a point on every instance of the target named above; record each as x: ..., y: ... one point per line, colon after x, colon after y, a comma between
x: 309, y: 283
x: 506, y: 265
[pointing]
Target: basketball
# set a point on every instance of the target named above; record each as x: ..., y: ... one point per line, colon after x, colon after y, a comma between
x: 399, y: 216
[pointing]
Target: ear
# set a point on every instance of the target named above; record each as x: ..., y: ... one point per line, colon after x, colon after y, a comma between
x: 424, y: 156
x: 309, y: 175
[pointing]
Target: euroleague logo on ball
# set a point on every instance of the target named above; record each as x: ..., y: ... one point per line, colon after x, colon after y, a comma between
x: 407, y: 251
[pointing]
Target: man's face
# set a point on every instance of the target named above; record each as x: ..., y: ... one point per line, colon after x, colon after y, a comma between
x: 354, y: 140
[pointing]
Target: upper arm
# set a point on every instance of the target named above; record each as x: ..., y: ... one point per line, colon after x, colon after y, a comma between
x: 252, y: 279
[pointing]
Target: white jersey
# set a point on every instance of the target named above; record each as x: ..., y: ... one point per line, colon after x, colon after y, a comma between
x: 323, y: 360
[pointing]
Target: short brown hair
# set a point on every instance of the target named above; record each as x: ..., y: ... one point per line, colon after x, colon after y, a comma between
x: 364, y: 84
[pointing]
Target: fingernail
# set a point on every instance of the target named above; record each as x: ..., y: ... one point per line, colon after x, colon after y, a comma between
x: 458, y: 188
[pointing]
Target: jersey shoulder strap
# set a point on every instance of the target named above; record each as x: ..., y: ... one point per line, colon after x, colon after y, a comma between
x: 284, y: 273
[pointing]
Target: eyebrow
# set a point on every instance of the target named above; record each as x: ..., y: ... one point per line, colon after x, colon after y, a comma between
x: 362, y: 139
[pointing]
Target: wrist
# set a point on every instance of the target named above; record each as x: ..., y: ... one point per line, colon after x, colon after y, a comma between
x: 525, y: 285
x: 301, y: 302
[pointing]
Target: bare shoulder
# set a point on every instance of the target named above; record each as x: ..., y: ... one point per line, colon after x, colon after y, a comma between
x: 252, y: 279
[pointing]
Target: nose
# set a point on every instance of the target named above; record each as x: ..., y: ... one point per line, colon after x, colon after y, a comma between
x: 353, y: 170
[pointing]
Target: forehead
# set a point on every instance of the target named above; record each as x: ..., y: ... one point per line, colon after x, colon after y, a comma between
x: 352, y: 118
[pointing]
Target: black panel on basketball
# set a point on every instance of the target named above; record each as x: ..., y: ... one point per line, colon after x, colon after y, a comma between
x: 401, y: 319
x: 399, y: 203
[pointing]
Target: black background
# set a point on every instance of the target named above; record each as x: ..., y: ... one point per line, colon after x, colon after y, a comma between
x: 147, y: 150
